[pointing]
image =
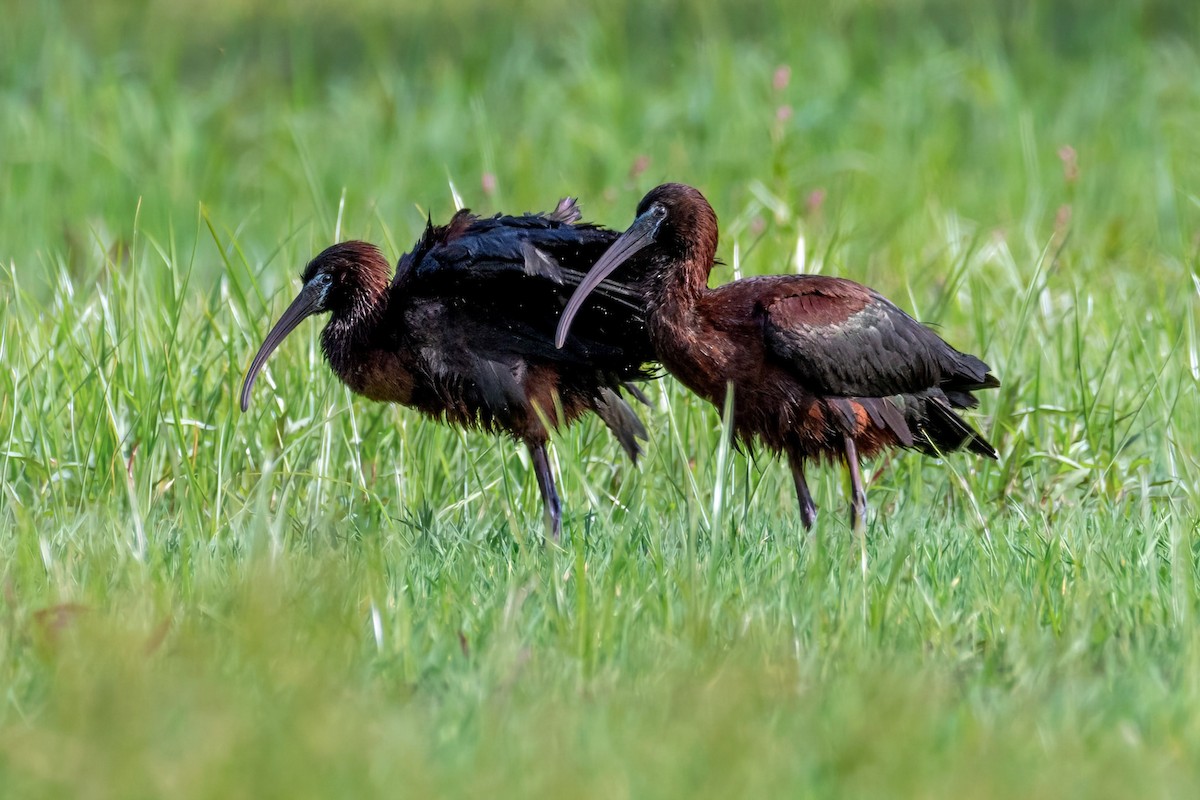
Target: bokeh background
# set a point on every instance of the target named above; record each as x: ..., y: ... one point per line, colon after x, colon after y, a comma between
x: 265, y: 116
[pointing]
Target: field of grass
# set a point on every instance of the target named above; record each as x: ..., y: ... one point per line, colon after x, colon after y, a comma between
x: 328, y: 598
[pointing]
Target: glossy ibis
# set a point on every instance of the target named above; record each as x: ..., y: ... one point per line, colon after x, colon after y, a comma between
x: 819, y: 366
x: 463, y: 331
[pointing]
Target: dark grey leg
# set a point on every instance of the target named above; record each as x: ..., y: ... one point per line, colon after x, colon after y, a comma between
x: 545, y: 479
x: 858, y: 497
x: 808, y: 509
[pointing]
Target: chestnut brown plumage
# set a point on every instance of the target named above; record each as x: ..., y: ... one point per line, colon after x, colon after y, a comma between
x: 819, y: 366
x: 464, y: 330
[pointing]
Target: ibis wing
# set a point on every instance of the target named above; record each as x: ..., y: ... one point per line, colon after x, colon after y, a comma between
x: 471, y: 248
x: 497, y: 257
x: 843, y: 339
x: 513, y: 276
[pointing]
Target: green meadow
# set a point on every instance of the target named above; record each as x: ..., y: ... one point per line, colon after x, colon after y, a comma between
x: 326, y: 597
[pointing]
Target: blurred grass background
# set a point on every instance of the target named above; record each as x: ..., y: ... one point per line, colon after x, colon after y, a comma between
x: 326, y: 597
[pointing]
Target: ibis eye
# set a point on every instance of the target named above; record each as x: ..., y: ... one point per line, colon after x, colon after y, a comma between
x: 319, y: 285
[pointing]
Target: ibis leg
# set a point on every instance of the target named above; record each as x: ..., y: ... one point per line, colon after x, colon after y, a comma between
x: 808, y: 509
x: 545, y: 479
x: 858, y: 497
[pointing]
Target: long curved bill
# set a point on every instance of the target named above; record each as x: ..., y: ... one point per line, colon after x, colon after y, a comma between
x: 639, y: 236
x: 305, y: 304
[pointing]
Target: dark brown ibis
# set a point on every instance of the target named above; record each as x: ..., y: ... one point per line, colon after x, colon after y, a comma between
x: 820, y: 367
x: 464, y: 330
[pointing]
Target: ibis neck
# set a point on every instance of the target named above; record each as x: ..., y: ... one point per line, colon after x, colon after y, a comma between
x: 685, y: 340
x: 679, y: 270
x: 676, y: 285
x: 351, y: 332
x: 675, y: 317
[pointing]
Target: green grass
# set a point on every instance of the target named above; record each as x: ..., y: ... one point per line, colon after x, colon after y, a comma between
x: 324, y: 597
